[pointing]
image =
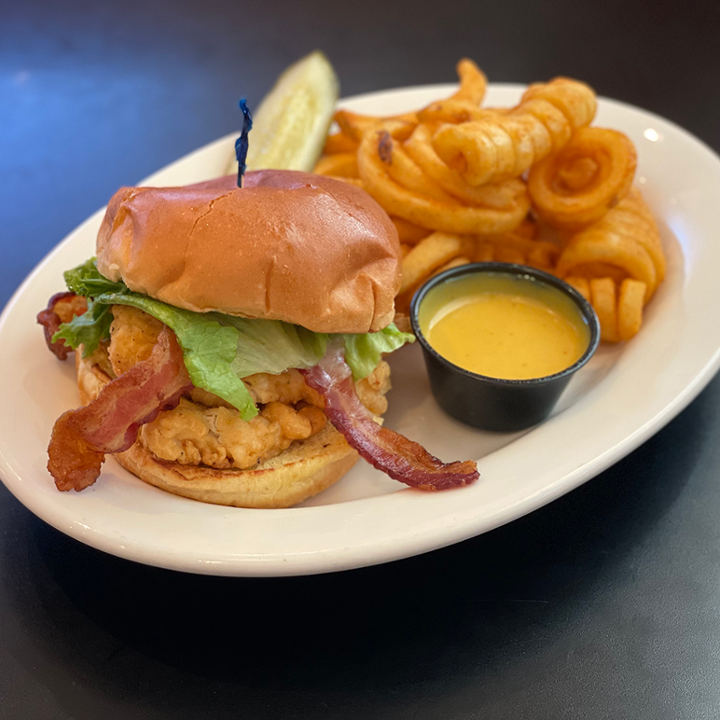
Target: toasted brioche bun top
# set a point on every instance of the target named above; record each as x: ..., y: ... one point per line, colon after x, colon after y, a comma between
x: 289, y: 246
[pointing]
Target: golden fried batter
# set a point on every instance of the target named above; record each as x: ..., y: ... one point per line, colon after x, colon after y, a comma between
x: 206, y: 429
x: 68, y: 307
x: 220, y: 438
x: 288, y: 387
x: 133, y: 335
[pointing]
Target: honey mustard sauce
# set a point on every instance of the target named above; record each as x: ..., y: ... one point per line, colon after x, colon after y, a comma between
x: 504, y: 326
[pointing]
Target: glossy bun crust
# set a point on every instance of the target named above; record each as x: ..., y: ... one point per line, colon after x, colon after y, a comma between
x: 303, y: 470
x: 289, y: 246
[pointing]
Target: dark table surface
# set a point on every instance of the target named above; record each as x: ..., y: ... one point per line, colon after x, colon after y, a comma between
x: 605, y: 604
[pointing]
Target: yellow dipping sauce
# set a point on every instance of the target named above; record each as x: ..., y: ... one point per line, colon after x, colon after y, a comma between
x: 504, y: 326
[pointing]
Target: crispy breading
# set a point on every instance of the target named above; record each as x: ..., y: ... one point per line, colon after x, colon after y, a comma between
x: 288, y: 387
x: 191, y: 434
x: 209, y: 431
x: 101, y: 358
x: 295, y: 424
x: 133, y: 335
x: 371, y: 390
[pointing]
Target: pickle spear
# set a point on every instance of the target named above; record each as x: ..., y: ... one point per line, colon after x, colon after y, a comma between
x: 291, y: 122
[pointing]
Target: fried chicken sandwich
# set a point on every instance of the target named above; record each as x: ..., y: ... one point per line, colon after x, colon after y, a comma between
x: 231, y: 340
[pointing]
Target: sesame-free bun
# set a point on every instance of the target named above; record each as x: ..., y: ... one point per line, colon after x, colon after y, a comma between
x: 303, y: 470
x: 289, y: 246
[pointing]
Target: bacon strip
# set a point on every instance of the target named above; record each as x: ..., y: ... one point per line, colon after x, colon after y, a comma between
x: 394, y: 454
x: 110, y: 423
x: 62, y: 307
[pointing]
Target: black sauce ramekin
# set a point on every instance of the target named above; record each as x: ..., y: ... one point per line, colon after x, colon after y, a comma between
x: 492, y: 403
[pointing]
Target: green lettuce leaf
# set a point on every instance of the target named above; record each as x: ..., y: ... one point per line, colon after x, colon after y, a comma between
x: 219, y: 350
x: 209, y: 347
x: 87, y: 281
x: 364, y: 351
x: 88, y: 329
x: 272, y: 346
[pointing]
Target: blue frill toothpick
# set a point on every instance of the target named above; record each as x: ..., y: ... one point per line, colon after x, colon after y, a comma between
x: 241, y: 144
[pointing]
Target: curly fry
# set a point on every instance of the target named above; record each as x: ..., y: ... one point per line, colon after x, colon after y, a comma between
x: 484, y: 252
x: 451, y: 111
x: 575, y: 100
x: 339, y: 164
x: 508, y: 254
x: 401, y: 168
x: 374, y: 158
x: 357, y: 182
x: 620, y: 313
x: 579, y: 184
x: 505, y: 145
x: 602, y: 294
x: 419, y: 147
x: 625, y: 242
x: 455, y: 262
x: 528, y: 229
x: 630, y: 308
x: 353, y: 126
x: 581, y: 284
x: 340, y: 143
x: 356, y: 125
x: 473, y: 82
x: 428, y: 255
x: 431, y: 255
x: 517, y: 248
x: 409, y: 233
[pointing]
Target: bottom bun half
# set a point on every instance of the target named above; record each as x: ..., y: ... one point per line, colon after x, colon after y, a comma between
x: 303, y: 470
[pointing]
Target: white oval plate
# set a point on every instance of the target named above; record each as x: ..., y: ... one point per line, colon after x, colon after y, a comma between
x: 621, y: 398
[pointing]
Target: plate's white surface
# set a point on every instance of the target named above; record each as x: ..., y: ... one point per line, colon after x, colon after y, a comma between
x: 621, y: 398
